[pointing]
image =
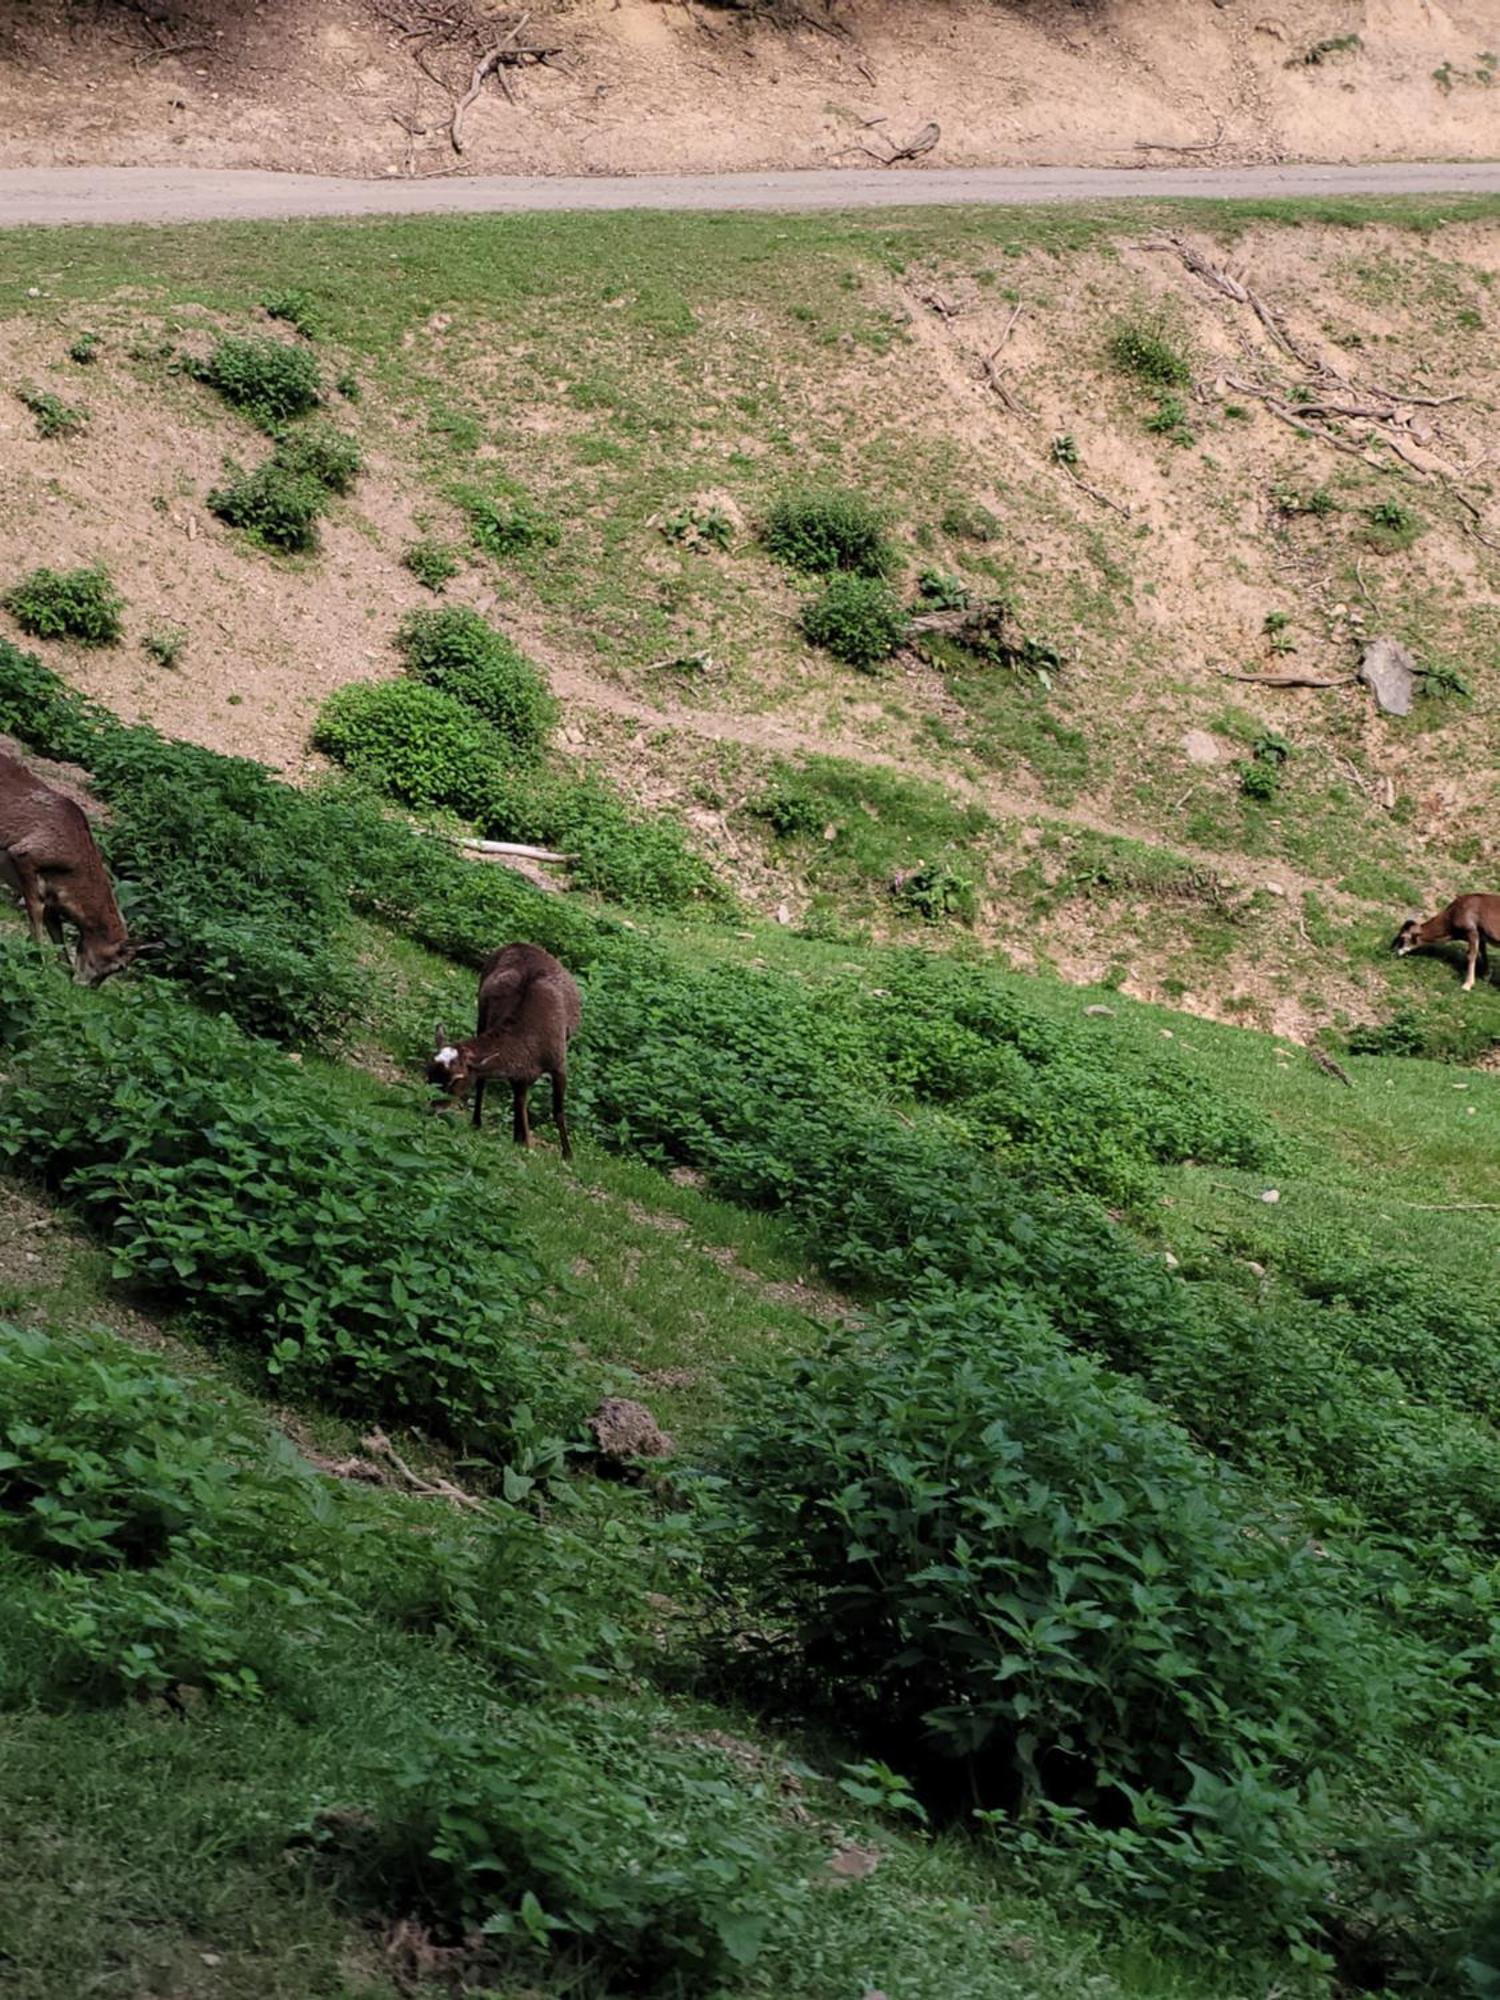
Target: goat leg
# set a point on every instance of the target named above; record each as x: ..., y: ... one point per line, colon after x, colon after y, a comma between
x: 521, y: 1130
x: 478, y: 1103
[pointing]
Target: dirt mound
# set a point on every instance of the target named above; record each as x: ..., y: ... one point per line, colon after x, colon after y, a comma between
x: 370, y: 87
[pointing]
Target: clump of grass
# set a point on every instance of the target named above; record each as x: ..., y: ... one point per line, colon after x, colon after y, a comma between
x: 54, y: 417
x: 269, y: 381
x: 1149, y: 351
x: 1390, y: 527
x: 506, y: 528
x: 432, y: 564
x: 298, y: 308
x: 699, y: 527
x: 85, y: 349
x: 165, y: 644
x: 824, y: 532
x: 1260, y: 777
x: 276, y: 507
x: 1064, y: 450
x: 348, y: 387
x: 966, y: 521
x: 935, y: 894
x: 81, y: 604
x: 938, y: 591
x: 1170, y: 420
x: 858, y: 619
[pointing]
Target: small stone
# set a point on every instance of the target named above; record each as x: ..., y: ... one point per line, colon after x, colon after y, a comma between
x: 1390, y: 672
x: 1170, y: 1261
x: 1167, y: 1035
x: 1256, y: 1270
x: 1271, y: 1196
x: 851, y: 1862
x: 783, y: 914
x: 1274, y: 889
x: 1099, y: 1010
x: 1199, y: 747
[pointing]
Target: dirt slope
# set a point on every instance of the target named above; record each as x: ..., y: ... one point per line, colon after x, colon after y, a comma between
x: 648, y: 86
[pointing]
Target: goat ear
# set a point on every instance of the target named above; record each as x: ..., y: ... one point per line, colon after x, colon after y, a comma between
x: 440, y: 1037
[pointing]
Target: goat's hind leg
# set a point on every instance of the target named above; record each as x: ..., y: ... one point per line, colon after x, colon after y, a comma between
x: 34, y: 900
x: 1476, y: 945
x: 520, y: 1126
x: 559, y: 1113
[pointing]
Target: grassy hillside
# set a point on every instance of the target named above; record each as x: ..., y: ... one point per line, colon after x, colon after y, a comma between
x: 1075, y: 1567
x: 592, y: 418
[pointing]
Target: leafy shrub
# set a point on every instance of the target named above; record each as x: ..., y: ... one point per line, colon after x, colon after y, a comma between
x: 789, y: 809
x: 431, y: 563
x: 80, y: 604
x: 937, y: 591
x: 980, y: 1544
x: 936, y: 893
x: 505, y: 528
x: 1259, y: 781
x: 457, y: 651
x: 54, y: 417
x: 821, y: 533
x: 318, y: 451
x: 276, y: 507
x: 298, y: 308
x: 268, y: 380
x: 656, y: 1876
x: 1148, y: 350
x: 1063, y: 450
x: 84, y: 349
x: 858, y: 619
x: 699, y: 527
x: 419, y: 744
x: 221, y: 1180
x: 164, y: 644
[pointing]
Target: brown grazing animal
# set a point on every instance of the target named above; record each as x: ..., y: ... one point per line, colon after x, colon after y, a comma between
x: 49, y: 858
x: 528, y: 1008
x: 1471, y: 920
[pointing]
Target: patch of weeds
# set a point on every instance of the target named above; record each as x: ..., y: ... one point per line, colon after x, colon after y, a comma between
x: 1277, y: 628
x: 458, y: 652
x: 54, y: 417
x: 966, y: 521
x: 506, y: 528
x: 348, y: 387
x: 1170, y: 420
x: 1290, y: 503
x: 81, y: 604
x: 164, y: 644
x: 85, y: 349
x: 935, y: 894
x: 320, y: 452
x: 267, y: 380
x: 824, y: 532
x: 858, y: 619
x: 460, y: 427
x: 1064, y: 450
x: 1331, y: 45
x: 1441, y: 682
x: 278, y: 508
x: 1390, y: 527
x: 699, y: 528
x: 1237, y: 411
x: 432, y: 564
x: 297, y: 308
x: 1260, y: 777
x: 1149, y: 351
x: 938, y: 591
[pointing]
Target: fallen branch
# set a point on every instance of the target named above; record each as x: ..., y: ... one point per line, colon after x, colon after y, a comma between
x: 517, y: 848
x: 1285, y: 680
x: 380, y: 1447
x: 1094, y: 493
x: 1327, y: 1064
x: 1159, y: 146
x: 482, y: 69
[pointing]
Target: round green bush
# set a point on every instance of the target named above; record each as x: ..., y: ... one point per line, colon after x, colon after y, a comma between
x: 80, y: 604
x: 454, y: 649
x: 274, y: 505
x: 267, y: 379
x: 424, y: 747
x: 858, y: 619
x: 320, y: 452
x: 823, y: 532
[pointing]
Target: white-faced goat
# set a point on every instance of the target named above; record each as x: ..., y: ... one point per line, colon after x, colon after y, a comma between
x: 49, y: 858
x: 1470, y: 920
x: 528, y: 1008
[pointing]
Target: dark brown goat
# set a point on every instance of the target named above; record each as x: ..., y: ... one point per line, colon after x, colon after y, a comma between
x: 528, y: 1008
x: 1470, y: 920
x: 49, y: 857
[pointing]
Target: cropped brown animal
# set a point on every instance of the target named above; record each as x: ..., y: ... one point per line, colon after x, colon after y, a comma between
x: 49, y: 858
x: 528, y: 1008
x: 1472, y: 920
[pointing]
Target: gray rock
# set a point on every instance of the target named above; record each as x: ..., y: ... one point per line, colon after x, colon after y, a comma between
x: 1199, y: 747
x: 1390, y: 672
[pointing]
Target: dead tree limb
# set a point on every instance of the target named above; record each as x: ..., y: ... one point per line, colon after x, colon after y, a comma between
x: 1286, y: 680
x: 488, y: 62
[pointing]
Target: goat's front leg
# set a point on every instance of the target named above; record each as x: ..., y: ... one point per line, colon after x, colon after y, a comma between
x: 1468, y: 985
x: 520, y: 1129
x: 33, y: 897
x: 478, y: 1103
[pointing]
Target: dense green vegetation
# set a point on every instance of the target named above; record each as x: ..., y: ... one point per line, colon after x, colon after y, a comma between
x: 1182, y: 1578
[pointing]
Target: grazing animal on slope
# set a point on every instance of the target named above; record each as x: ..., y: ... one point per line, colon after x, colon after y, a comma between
x: 50, y: 859
x: 528, y: 1008
x: 1471, y: 920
